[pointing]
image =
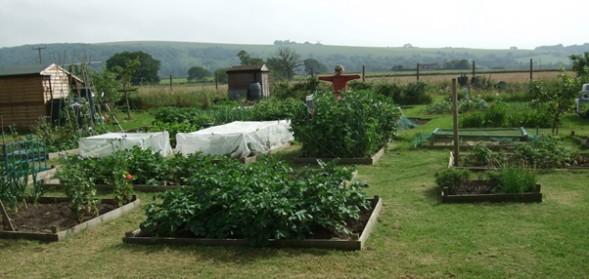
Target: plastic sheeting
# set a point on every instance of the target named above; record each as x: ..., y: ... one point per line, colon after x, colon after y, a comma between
x: 104, y: 145
x: 239, y: 139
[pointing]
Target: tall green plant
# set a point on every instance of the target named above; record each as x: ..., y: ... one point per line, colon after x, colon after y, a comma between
x: 512, y: 180
x: 79, y: 187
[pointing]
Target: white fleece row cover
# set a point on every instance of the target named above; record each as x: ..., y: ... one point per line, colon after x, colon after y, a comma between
x: 104, y: 145
x: 239, y: 139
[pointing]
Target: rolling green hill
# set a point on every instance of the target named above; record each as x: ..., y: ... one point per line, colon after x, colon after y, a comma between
x: 177, y: 57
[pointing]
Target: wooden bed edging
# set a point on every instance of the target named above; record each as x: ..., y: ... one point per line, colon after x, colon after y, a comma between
x: 337, y: 244
x: 344, y: 161
x: 90, y: 224
x: 107, y: 187
x: 535, y: 196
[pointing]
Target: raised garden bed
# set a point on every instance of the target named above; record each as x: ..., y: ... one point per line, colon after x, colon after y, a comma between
x: 469, y: 137
x: 59, y: 154
x: 478, y: 192
x: 579, y: 161
x: 50, y: 220
x: 367, y: 224
x: 343, y: 161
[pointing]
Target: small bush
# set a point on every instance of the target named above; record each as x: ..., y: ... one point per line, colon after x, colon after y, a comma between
x: 452, y: 178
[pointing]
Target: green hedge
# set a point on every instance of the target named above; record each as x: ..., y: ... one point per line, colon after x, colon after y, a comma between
x: 356, y: 126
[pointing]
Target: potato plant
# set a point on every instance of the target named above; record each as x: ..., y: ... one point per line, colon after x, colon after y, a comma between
x: 266, y: 200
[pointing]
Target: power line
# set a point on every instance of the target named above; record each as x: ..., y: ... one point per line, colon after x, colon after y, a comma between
x: 39, y: 49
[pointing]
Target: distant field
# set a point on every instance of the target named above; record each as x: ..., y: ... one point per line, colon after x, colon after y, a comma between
x: 493, y: 76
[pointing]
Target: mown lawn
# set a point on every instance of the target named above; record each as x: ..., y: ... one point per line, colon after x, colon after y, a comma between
x: 416, y: 236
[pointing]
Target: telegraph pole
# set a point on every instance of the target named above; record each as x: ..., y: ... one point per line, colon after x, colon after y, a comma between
x: 39, y: 49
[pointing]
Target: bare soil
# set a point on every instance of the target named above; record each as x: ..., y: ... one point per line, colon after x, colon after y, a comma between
x: 473, y: 187
x: 42, y: 218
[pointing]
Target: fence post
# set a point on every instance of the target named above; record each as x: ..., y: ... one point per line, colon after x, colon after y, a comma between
x: 417, y: 71
x: 531, y: 69
x: 363, y: 73
x: 170, y: 82
x: 473, y: 68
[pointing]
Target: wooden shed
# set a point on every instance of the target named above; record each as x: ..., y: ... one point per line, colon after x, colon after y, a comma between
x: 26, y: 92
x: 240, y: 77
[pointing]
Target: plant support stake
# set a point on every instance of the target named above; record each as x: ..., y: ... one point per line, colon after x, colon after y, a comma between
x: 6, y: 220
x: 455, y: 121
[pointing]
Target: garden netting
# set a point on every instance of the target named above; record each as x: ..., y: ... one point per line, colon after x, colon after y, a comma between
x: 104, y: 145
x: 239, y: 139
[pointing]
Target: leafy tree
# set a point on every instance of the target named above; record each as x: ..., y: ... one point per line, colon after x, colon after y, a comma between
x: 457, y: 64
x: 555, y: 98
x: 284, y: 63
x: 581, y: 64
x: 246, y: 59
x: 221, y: 75
x: 106, y: 86
x: 315, y: 66
x: 145, y: 74
x: 126, y: 74
x: 197, y: 73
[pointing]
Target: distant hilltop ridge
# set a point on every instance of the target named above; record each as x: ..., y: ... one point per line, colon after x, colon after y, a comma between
x: 177, y: 57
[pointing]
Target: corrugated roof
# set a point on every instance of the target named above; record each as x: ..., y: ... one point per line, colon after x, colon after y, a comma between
x: 248, y: 68
x: 31, y: 70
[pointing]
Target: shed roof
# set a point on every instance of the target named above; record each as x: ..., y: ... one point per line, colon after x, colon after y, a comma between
x: 248, y: 68
x: 31, y: 70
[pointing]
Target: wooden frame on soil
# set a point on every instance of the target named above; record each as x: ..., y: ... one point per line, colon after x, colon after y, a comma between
x: 343, y: 161
x: 534, y: 196
x: 452, y: 159
x: 58, y: 235
x: 358, y: 243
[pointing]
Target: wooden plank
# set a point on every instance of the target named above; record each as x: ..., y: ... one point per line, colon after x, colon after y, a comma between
x: 344, y: 161
x: 371, y: 224
x: 535, y: 196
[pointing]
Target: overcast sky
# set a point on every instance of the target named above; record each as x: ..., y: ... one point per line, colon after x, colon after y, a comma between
x: 495, y: 24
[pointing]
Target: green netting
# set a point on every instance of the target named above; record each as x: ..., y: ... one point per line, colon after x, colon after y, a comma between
x: 405, y: 123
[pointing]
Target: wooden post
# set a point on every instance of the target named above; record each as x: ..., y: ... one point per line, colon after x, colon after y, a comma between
x: 531, y: 69
x: 170, y: 82
x: 455, y: 121
x: 473, y: 68
x: 216, y: 82
x: 7, y: 224
x: 417, y: 71
x: 363, y: 73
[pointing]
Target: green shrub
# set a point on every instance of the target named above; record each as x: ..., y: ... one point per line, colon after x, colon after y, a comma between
x: 276, y: 109
x: 452, y: 178
x: 439, y: 107
x: 473, y: 120
x: 405, y: 94
x: 356, y: 126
